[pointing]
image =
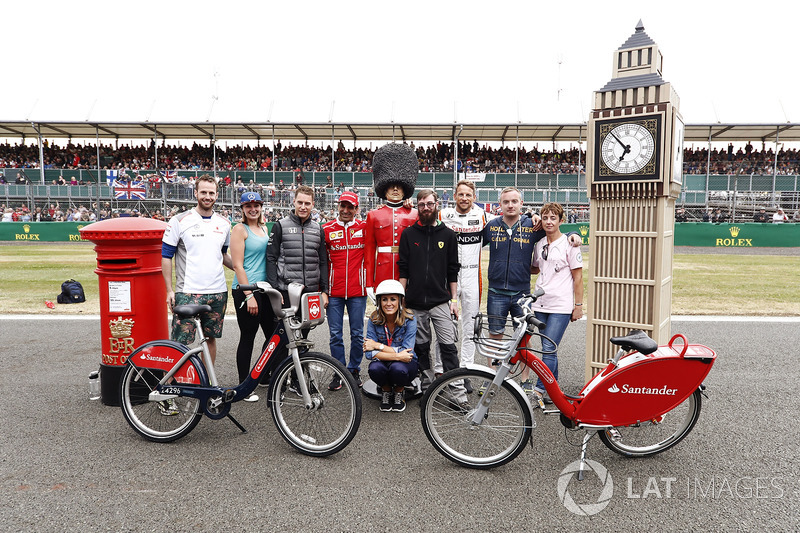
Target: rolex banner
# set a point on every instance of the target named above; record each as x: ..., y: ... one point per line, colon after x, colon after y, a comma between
x: 41, y: 231
x: 745, y: 235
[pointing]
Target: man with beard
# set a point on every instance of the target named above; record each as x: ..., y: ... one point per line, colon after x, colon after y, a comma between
x: 198, y: 239
x: 428, y: 268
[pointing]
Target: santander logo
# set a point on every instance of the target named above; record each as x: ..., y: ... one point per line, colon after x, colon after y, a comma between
x: 652, y: 391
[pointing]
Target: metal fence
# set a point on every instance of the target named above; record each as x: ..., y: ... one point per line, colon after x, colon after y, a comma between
x: 738, y: 197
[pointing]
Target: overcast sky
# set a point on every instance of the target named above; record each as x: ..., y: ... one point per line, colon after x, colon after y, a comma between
x: 412, y: 61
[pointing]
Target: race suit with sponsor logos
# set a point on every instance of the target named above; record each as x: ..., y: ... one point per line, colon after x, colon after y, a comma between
x: 469, y: 230
x: 345, y: 244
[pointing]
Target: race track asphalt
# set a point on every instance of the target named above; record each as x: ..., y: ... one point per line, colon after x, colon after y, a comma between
x: 69, y: 464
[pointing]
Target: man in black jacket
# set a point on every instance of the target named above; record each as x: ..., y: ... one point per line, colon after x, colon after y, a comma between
x: 428, y: 267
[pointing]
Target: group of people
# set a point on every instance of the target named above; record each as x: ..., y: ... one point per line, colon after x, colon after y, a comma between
x: 472, y: 157
x: 416, y: 264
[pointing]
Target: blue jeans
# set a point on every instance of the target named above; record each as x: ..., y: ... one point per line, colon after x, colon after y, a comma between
x: 498, y: 306
x: 356, y: 308
x: 555, y: 325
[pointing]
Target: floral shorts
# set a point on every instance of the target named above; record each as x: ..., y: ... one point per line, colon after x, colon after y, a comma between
x: 183, y: 330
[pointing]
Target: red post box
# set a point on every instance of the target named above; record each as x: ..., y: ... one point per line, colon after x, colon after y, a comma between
x: 133, y: 297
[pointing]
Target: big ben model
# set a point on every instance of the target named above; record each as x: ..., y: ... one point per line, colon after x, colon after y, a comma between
x: 634, y: 171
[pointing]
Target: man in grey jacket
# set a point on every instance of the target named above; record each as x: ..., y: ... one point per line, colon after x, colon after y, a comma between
x: 296, y: 250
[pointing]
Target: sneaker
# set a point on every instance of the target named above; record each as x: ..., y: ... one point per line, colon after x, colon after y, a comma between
x: 294, y: 385
x: 336, y: 383
x: 527, y: 386
x: 399, y: 402
x: 386, y: 401
x: 357, y: 377
x: 168, y: 408
x: 252, y: 397
x: 483, y: 387
x: 468, y: 386
x: 536, y: 396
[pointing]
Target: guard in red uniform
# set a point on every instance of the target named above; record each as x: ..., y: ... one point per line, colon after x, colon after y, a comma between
x: 394, y: 168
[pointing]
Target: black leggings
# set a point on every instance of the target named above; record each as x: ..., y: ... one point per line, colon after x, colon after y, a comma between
x: 248, y: 327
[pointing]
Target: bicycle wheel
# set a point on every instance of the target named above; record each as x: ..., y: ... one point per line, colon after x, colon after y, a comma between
x: 164, y: 421
x: 497, y: 440
x: 654, y: 436
x: 333, y: 419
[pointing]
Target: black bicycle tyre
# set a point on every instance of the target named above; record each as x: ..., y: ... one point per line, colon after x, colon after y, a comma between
x: 623, y: 444
x: 145, y: 417
x: 507, y: 426
x: 321, y: 431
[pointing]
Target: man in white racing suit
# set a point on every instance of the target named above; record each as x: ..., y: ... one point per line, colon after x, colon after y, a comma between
x: 467, y: 220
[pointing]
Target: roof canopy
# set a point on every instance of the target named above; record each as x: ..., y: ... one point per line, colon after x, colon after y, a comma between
x: 788, y: 132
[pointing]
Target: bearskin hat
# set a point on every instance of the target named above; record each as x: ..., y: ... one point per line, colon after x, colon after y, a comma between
x: 395, y: 163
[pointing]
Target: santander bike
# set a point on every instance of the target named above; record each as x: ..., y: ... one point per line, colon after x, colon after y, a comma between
x: 645, y: 401
x: 167, y: 387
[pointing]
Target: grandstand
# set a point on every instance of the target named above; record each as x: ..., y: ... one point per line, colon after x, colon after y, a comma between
x: 735, y: 183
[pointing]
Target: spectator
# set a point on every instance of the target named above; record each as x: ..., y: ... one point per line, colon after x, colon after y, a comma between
x: 391, y: 335
x: 249, y: 257
x: 761, y: 216
x: 428, y: 268
x: 201, y: 238
x: 779, y: 217
x: 560, y: 274
x: 296, y: 251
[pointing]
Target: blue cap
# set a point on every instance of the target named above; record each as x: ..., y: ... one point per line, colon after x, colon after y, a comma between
x: 251, y: 197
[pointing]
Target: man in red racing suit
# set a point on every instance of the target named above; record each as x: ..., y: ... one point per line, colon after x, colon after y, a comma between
x: 344, y: 240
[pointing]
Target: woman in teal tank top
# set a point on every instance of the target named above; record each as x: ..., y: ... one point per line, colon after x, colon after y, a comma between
x: 249, y: 254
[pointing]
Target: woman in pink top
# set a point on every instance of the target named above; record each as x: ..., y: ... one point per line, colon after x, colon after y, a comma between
x: 560, y: 270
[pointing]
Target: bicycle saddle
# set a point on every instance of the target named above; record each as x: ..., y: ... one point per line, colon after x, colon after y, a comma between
x: 190, y: 310
x: 636, y: 340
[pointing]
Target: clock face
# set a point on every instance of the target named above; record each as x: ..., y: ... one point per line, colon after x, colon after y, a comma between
x: 627, y: 148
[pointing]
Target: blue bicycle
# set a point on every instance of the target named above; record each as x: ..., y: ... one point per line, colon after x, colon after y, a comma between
x: 167, y: 387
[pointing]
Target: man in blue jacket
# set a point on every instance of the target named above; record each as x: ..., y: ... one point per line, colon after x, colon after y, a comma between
x: 511, y: 239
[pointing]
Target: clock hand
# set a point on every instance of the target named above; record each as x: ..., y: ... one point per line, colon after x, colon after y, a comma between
x: 626, y: 147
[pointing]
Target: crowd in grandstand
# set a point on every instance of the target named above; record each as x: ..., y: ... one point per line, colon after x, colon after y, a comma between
x: 438, y: 157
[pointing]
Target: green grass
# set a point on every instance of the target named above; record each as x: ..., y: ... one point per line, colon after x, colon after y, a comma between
x: 757, y: 285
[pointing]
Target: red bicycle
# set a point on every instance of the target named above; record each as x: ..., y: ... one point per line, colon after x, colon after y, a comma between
x: 644, y: 402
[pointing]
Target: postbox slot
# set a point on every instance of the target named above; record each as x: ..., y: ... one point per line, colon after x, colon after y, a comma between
x: 116, y: 263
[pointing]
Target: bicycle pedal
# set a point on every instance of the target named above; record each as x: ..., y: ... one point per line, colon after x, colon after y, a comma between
x: 228, y: 395
x: 615, y: 435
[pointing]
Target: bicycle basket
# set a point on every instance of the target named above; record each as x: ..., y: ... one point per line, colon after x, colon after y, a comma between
x: 493, y: 336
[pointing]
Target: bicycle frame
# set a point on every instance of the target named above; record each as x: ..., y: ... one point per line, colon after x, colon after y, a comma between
x: 180, y: 380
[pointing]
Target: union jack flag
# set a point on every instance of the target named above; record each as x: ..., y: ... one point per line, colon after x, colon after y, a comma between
x: 169, y: 175
x: 124, y: 190
x: 488, y: 207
